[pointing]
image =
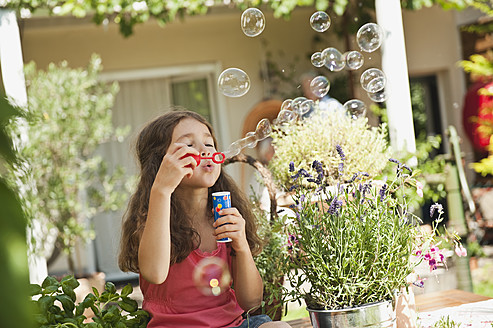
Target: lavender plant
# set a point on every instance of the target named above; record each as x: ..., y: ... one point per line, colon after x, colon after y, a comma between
x: 356, y: 242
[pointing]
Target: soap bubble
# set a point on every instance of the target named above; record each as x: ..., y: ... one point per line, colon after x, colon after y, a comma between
x: 286, y: 117
x: 379, y: 96
x: 252, y: 22
x: 333, y: 59
x: 286, y: 104
x: 249, y: 141
x: 320, y: 21
x: 369, y: 37
x: 211, y: 276
x: 296, y: 104
x: 373, y: 80
x: 318, y: 59
x: 319, y: 86
x: 355, y: 108
x: 263, y: 129
x: 233, y: 82
x: 306, y: 106
x: 233, y: 150
x: 353, y: 59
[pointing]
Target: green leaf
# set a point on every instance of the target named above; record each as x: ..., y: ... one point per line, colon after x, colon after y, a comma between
x: 127, y: 290
x: 95, y: 291
x: 110, y: 287
x: 67, y: 303
x: 34, y: 289
x: 128, y: 304
x: 68, y: 290
x: 70, y: 281
x: 50, y: 281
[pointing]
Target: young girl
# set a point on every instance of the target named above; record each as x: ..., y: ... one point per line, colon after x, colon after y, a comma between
x: 169, y: 228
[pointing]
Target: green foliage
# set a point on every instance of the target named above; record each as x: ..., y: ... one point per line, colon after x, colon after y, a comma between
x: 478, y: 64
x: 56, y: 306
x: 316, y: 138
x: 127, y: 14
x: 69, y: 117
x: 270, y: 262
x: 446, y: 322
x: 15, y: 310
x: 354, y: 242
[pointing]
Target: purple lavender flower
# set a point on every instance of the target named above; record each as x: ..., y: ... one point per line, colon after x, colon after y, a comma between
x: 340, y: 152
x: 407, y: 168
x: 334, y: 206
x: 291, y: 166
x: 382, y: 192
x: 341, y: 168
x: 435, y: 207
x: 394, y: 161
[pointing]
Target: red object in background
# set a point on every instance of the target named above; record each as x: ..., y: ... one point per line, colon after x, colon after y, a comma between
x: 474, y: 107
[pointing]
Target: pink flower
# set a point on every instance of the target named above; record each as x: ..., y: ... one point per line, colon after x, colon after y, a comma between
x: 419, y: 189
x: 460, y: 251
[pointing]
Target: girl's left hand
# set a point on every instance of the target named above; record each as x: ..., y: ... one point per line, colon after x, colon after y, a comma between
x: 231, y: 224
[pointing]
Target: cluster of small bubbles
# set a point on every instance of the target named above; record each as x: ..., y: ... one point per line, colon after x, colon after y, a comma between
x: 319, y: 86
x: 373, y: 80
x: 318, y: 59
x: 333, y: 59
x: 233, y: 82
x: 262, y: 131
x: 353, y: 59
x: 378, y: 96
x: 211, y: 276
x: 252, y: 22
x: 369, y: 37
x: 355, y: 108
x: 320, y: 21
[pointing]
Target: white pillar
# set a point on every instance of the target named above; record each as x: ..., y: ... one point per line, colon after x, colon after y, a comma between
x: 15, y: 88
x: 394, y: 65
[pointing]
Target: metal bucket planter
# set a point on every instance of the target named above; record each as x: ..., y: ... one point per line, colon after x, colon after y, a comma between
x: 371, y: 315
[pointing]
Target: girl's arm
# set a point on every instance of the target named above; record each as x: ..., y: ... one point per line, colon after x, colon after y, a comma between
x: 155, y: 242
x: 246, y: 279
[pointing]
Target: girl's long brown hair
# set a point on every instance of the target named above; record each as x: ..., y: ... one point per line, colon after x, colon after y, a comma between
x: 151, y: 146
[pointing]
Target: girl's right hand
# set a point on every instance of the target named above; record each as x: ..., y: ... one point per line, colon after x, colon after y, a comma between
x: 175, y: 166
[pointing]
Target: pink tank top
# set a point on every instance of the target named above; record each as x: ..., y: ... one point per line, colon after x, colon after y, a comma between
x: 177, y: 302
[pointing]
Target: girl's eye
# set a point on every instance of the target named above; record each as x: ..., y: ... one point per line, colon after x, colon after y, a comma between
x: 209, y: 145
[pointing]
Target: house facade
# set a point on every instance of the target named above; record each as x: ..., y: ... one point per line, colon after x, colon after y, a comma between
x: 159, y: 67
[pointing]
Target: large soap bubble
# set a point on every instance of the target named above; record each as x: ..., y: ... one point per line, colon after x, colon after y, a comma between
x: 252, y: 22
x: 233, y: 82
x: 355, y: 108
x: 211, y: 276
x: 353, y: 59
x: 318, y: 59
x: 333, y: 59
x: 320, y: 21
x: 319, y: 86
x: 379, y: 96
x: 369, y: 37
x: 373, y: 80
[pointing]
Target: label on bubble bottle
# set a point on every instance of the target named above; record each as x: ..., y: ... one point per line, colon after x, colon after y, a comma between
x: 220, y: 200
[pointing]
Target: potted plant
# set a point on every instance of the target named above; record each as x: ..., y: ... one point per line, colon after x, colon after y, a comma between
x: 356, y: 243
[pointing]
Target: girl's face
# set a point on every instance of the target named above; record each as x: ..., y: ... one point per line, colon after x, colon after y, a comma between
x: 196, y: 135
